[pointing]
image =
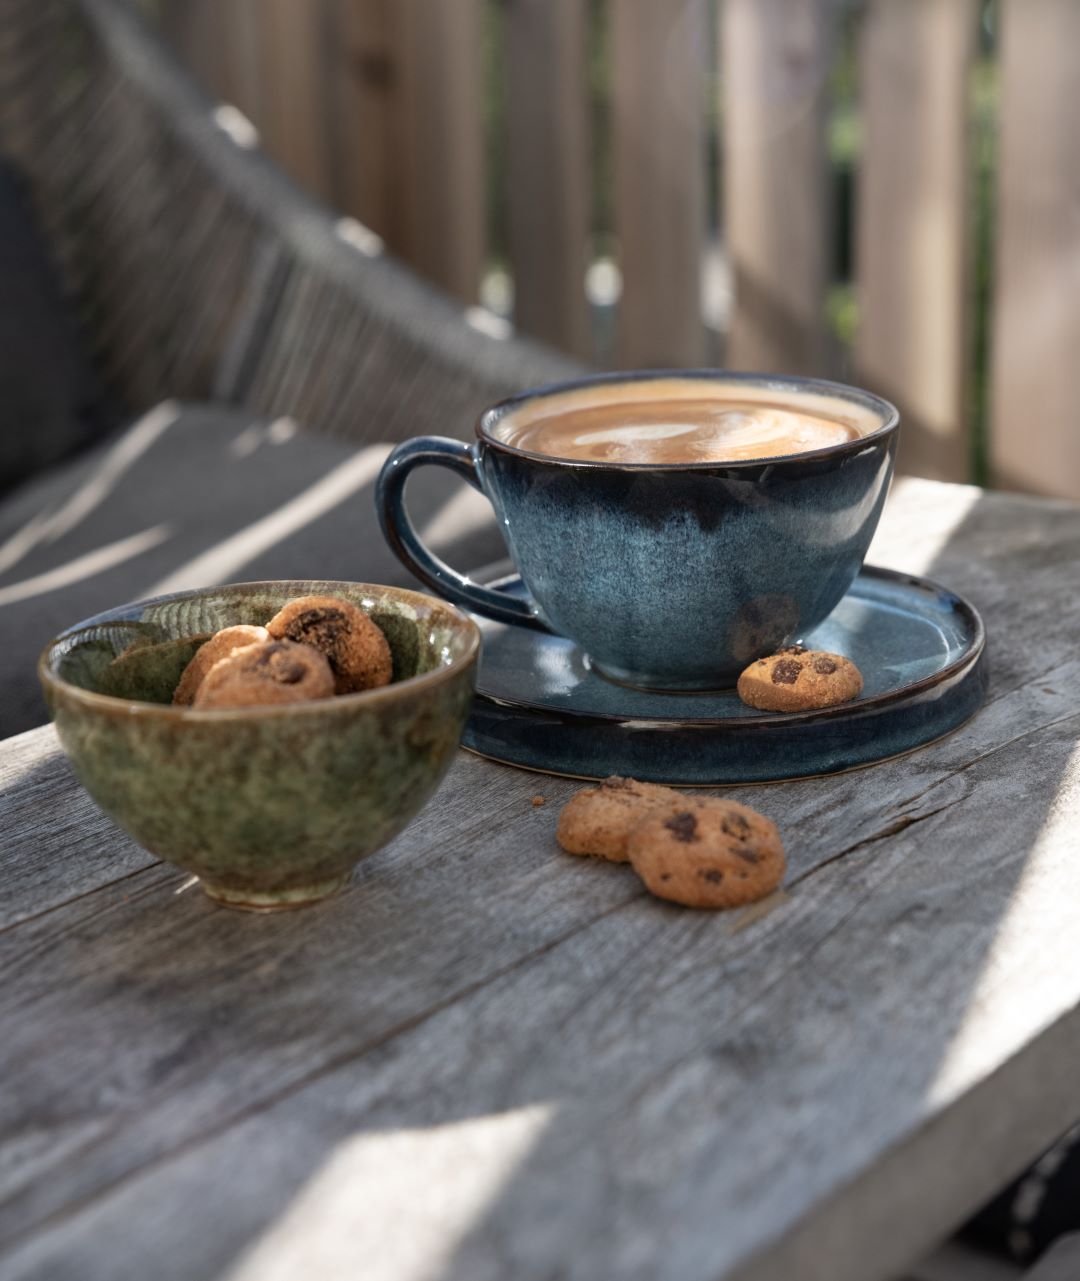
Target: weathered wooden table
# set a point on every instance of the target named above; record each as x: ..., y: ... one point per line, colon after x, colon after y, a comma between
x: 490, y: 1060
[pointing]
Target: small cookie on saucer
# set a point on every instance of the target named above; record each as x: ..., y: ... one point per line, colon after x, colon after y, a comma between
x: 796, y: 679
x: 274, y: 672
x: 598, y: 820
x: 355, y: 647
x: 710, y: 853
x: 219, y: 646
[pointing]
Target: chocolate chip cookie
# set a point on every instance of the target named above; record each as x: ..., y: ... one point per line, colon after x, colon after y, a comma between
x: 598, y: 820
x: 798, y: 680
x: 219, y: 646
x: 355, y: 647
x: 276, y: 671
x: 708, y: 853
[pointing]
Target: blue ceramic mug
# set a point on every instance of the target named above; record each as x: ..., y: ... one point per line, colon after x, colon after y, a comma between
x: 669, y: 576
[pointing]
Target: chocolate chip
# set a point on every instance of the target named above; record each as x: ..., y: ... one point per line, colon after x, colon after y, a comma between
x: 825, y: 666
x: 684, y: 826
x: 665, y: 876
x: 711, y: 875
x: 793, y: 649
x: 321, y: 627
x: 786, y: 672
x: 734, y: 825
x: 749, y: 854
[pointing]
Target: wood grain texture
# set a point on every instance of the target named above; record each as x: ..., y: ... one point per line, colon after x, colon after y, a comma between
x: 548, y: 169
x: 490, y: 1059
x: 658, y: 53
x: 1036, y: 334
x: 43, y: 808
x: 775, y: 61
x: 913, y: 225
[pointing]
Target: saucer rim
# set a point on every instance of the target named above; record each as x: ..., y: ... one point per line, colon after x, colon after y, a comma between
x: 748, y: 782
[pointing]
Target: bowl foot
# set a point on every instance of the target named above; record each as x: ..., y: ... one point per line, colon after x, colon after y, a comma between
x: 274, y: 900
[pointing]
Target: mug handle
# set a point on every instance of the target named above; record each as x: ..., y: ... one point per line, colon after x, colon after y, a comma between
x: 401, y: 534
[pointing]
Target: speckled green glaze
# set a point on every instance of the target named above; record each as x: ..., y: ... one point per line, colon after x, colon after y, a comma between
x: 270, y: 807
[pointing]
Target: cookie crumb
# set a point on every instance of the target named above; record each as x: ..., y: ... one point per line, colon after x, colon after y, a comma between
x: 538, y: 800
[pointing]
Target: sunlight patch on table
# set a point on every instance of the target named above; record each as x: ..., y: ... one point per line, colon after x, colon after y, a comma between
x: 394, y: 1205
x: 1023, y: 987
x: 936, y: 523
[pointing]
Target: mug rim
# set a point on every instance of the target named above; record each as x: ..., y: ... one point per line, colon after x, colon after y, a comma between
x: 788, y: 383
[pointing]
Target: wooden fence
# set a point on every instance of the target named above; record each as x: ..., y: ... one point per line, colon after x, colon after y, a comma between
x: 403, y: 113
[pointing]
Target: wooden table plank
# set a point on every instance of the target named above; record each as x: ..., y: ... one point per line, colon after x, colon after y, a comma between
x: 54, y: 845
x: 493, y: 1060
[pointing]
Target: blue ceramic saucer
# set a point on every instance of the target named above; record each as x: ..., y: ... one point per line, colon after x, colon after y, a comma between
x: 920, y: 648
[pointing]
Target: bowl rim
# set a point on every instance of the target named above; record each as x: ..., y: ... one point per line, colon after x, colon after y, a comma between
x: 210, y: 715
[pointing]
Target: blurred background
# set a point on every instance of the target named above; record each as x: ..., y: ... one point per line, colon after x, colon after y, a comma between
x: 884, y: 191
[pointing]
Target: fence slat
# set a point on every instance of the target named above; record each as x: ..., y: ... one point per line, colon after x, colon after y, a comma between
x: 913, y: 224
x: 364, y: 92
x: 240, y: 36
x: 1035, y: 441
x: 658, y: 138
x: 775, y: 60
x: 548, y: 169
x: 293, y: 103
x: 439, y: 136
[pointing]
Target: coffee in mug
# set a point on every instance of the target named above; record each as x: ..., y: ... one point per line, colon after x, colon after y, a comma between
x: 668, y: 423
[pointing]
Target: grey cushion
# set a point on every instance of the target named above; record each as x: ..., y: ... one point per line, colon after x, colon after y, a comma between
x: 50, y: 402
x: 193, y: 495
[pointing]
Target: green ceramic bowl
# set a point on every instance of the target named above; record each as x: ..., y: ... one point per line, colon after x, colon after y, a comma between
x: 269, y: 806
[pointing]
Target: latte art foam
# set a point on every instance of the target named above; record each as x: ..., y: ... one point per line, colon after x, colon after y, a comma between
x: 677, y: 431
